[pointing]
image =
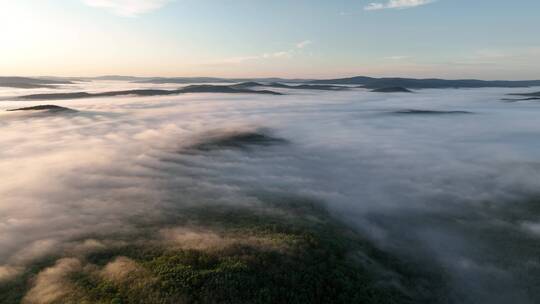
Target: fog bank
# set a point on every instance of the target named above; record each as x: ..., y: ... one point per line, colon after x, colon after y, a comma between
x: 456, y: 193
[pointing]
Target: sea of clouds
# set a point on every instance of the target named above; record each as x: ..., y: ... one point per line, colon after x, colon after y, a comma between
x: 452, y: 192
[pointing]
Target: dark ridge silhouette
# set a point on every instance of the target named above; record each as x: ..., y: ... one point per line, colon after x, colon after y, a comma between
x: 528, y: 96
x: 28, y: 86
x: 252, y: 84
x: 429, y: 112
x: 149, y: 92
x: 533, y: 94
x: 205, y: 88
x: 30, y: 83
x: 63, y: 80
x: 49, y: 108
x: 57, y: 96
x: 357, y: 80
x: 519, y: 99
x: 308, y: 87
x: 238, y: 140
x: 412, y: 83
x: 249, y: 84
x: 392, y: 90
x: 188, y: 80
x: 280, y: 85
x: 137, y: 92
x: 118, y: 78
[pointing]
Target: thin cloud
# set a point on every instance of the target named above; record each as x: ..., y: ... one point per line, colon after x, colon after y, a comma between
x: 241, y: 59
x: 273, y: 55
x: 396, y: 4
x: 128, y: 8
x: 397, y: 57
x: 303, y: 44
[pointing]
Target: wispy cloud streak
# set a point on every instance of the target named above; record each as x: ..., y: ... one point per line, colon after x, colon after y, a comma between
x: 270, y: 55
x: 128, y: 8
x: 396, y: 4
x: 303, y: 44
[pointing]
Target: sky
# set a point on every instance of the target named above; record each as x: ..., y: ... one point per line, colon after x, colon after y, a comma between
x: 486, y: 39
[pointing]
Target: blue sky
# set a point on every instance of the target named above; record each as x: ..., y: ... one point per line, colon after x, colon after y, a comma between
x: 296, y: 38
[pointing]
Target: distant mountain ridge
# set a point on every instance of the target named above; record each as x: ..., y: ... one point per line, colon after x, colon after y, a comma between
x: 429, y: 83
x: 392, y: 90
x: 30, y: 83
x: 364, y: 81
x: 361, y: 81
x: 149, y: 92
x: 524, y: 97
x: 279, y: 85
x: 186, y: 80
x: 533, y: 94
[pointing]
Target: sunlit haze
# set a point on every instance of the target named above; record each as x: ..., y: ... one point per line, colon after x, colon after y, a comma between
x: 247, y: 38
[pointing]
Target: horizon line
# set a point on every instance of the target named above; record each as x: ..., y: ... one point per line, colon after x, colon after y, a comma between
x: 270, y: 77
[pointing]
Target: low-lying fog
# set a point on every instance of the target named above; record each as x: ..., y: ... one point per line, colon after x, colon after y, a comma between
x: 455, y: 191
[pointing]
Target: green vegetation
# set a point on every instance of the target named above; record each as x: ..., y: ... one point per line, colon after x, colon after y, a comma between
x: 287, y: 251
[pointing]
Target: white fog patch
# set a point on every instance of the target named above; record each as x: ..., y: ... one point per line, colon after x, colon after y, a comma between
x: 532, y: 227
x: 52, y: 284
x: 123, y: 269
x: 201, y: 239
x: 435, y: 187
x: 8, y: 273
